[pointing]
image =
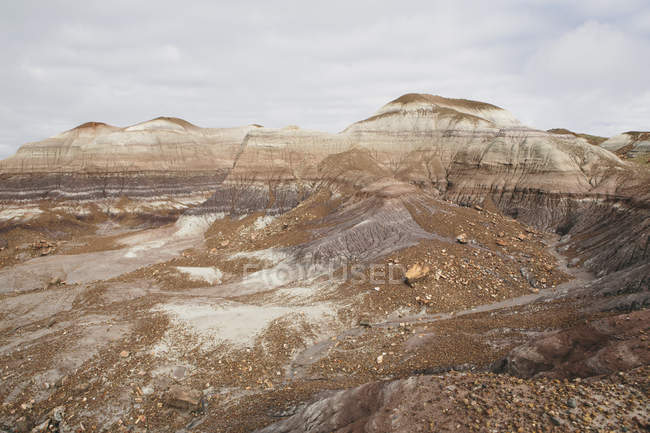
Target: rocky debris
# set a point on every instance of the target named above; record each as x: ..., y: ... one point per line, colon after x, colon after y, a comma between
x: 182, y: 397
x: 466, y: 401
x: 43, y: 247
x: 125, y: 354
x: 598, y: 347
x: 415, y: 273
x: 462, y: 238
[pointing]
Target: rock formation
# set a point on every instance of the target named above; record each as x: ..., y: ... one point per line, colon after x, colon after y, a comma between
x: 629, y: 144
x: 164, y: 143
x: 592, y: 139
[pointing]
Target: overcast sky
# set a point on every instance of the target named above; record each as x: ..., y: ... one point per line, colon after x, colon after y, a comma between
x: 583, y: 65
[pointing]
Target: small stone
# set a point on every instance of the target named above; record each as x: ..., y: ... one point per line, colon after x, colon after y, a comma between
x: 42, y: 427
x: 23, y: 425
x: 365, y: 323
x: 82, y: 387
x: 501, y: 242
x: 184, y: 398
x: 380, y: 359
x: 58, y: 413
x: 571, y: 403
x: 555, y: 420
x: 461, y: 238
x: 124, y: 354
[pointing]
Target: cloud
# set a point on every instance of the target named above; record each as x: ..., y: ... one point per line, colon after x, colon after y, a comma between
x: 592, y: 57
x: 320, y: 65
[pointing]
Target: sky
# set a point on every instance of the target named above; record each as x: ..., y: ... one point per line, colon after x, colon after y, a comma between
x: 582, y: 65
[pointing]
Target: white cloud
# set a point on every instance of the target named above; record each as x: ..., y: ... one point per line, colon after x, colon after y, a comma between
x: 320, y: 65
x: 592, y: 57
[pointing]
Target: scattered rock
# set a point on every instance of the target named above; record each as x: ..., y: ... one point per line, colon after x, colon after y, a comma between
x: 182, y: 397
x: 501, y: 242
x: 462, y: 238
x: 124, y: 354
x: 572, y: 403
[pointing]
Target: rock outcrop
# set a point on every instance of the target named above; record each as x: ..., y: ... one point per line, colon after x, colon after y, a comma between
x: 164, y: 143
x: 415, y: 112
x: 592, y: 139
x: 600, y: 347
x: 629, y: 144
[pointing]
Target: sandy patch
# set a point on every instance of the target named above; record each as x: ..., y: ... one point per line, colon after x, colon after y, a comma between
x: 210, y: 275
x: 232, y: 322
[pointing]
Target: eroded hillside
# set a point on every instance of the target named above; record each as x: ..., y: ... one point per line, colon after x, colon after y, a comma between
x: 436, y: 267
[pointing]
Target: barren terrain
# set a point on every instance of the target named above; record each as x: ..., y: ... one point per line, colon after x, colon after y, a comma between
x: 480, y: 280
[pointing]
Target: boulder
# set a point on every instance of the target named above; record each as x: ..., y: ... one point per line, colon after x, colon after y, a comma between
x: 415, y: 273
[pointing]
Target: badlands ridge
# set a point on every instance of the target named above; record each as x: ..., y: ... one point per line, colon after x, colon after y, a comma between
x: 170, y: 278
